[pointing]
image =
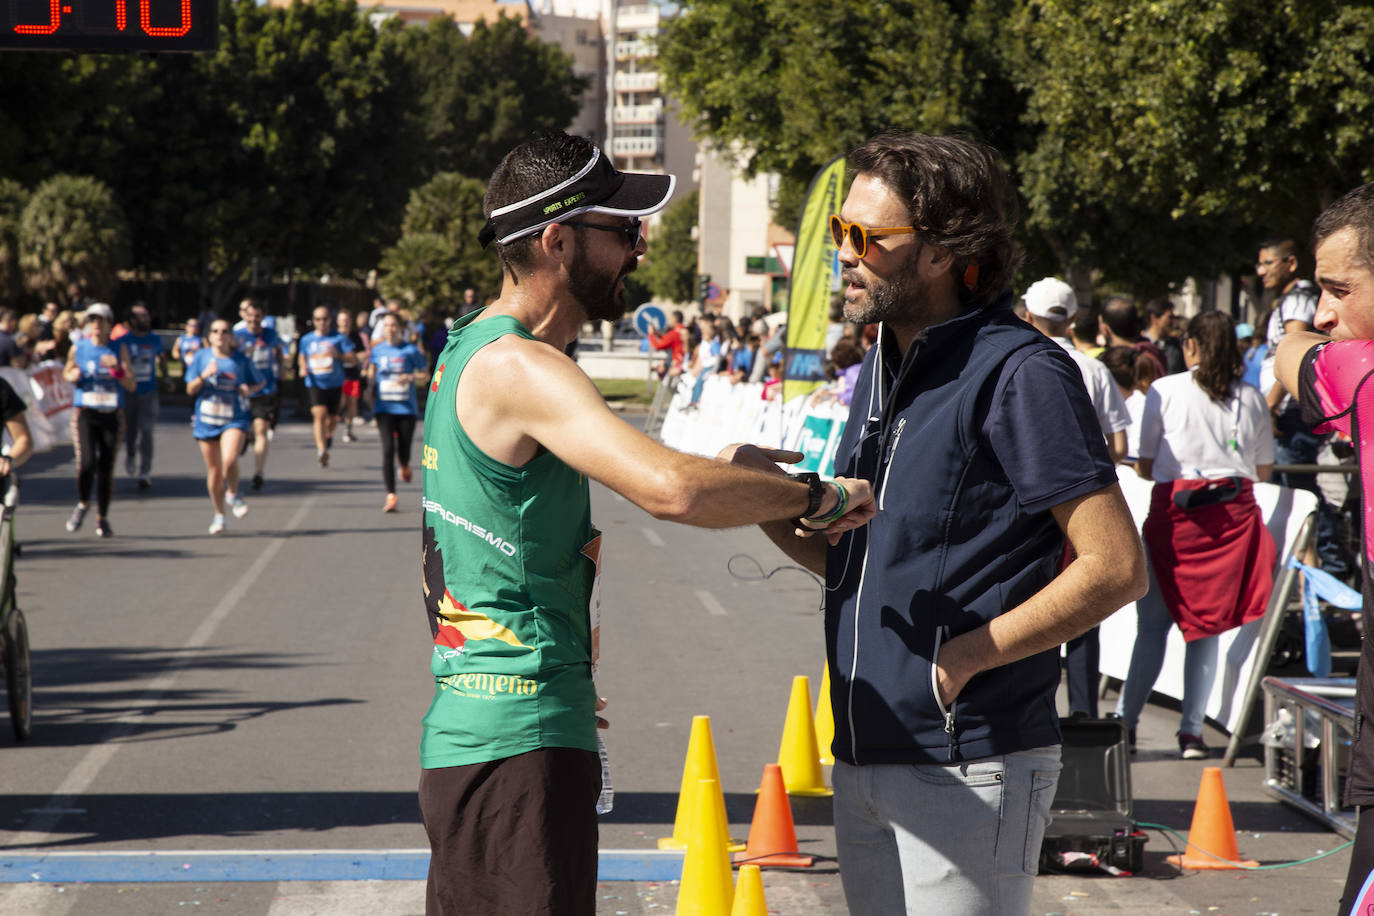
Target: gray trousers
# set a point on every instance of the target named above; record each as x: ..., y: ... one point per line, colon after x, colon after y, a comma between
x: 140, y: 416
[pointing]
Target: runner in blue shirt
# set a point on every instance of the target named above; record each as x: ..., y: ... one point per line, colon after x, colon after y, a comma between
x: 263, y: 348
x: 102, y: 373
x: 320, y: 362
x: 222, y: 380
x: 188, y: 343
x: 393, y: 371
x: 140, y: 408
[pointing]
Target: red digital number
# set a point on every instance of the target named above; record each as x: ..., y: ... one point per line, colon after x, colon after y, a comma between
x: 156, y: 31
x: 121, y: 15
x: 54, y: 21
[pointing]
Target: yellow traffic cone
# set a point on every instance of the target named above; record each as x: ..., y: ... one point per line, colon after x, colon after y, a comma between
x: 706, y: 888
x: 825, y: 720
x: 799, y: 756
x: 749, y: 900
x: 701, y: 764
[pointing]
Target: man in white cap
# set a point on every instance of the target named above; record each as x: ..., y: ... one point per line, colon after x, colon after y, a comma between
x: 1050, y: 307
x: 513, y: 431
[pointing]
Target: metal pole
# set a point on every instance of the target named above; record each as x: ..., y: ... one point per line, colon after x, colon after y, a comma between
x: 1269, y: 634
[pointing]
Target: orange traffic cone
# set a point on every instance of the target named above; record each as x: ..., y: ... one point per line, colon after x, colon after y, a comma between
x: 749, y: 899
x: 799, y: 756
x: 825, y: 720
x: 772, y: 837
x: 701, y: 764
x: 1212, y: 837
x: 706, y: 888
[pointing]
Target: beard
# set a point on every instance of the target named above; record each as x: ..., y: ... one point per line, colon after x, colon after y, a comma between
x: 900, y: 299
x: 597, y: 292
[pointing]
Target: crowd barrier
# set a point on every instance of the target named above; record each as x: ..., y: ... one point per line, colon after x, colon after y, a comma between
x: 48, y: 398
x: 729, y: 413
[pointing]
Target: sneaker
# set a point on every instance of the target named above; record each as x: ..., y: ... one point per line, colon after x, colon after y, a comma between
x: 324, y: 459
x: 348, y: 436
x: 390, y: 504
x: 217, y: 525
x: 1191, y: 747
x: 238, y: 506
x: 144, y: 483
x: 405, y: 473
x: 257, y: 481
x: 78, y: 516
x: 103, y: 529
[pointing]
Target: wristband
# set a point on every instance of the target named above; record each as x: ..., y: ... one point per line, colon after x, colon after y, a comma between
x: 839, y: 509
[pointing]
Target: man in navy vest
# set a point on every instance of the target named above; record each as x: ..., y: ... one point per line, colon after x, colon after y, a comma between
x: 944, y: 616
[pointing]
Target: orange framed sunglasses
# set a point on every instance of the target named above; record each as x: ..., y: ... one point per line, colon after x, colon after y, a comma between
x: 859, y: 235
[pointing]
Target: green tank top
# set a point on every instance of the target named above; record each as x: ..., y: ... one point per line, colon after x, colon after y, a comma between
x: 509, y: 563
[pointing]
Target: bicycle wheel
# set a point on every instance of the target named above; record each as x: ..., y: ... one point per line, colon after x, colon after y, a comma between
x: 19, y: 675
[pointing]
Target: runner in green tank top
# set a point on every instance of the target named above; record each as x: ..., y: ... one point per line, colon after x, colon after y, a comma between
x: 513, y: 433
x: 512, y: 643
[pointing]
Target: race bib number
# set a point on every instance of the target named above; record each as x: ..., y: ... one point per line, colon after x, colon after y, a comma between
x: 393, y: 389
x: 143, y: 370
x: 321, y: 365
x: 215, y: 413
x: 262, y: 357
x: 100, y: 400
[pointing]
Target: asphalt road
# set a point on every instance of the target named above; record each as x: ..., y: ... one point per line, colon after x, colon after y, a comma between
x: 261, y: 692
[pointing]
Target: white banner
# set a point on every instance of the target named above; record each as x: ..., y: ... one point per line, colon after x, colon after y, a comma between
x: 48, y: 398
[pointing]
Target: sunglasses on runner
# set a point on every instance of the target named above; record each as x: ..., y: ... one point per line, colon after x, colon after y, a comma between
x: 859, y: 235
x: 634, y: 232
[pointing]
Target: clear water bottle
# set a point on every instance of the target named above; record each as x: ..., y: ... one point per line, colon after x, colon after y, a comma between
x: 606, y: 801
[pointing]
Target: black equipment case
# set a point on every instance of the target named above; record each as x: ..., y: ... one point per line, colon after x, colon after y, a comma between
x: 1092, y: 829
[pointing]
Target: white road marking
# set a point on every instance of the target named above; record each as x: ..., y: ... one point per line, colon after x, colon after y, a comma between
x: 709, y: 602
x: 88, y: 768
x: 652, y: 537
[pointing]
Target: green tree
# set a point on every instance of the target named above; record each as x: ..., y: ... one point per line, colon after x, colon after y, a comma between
x: 13, y: 196
x: 483, y: 94
x: 438, y: 256
x: 670, y: 268
x: 790, y: 84
x: 291, y: 142
x: 72, y: 233
x: 1205, y: 126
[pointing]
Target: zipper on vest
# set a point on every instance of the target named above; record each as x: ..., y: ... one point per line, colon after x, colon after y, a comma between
x: 941, y: 633
x: 854, y: 662
x: 887, y: 461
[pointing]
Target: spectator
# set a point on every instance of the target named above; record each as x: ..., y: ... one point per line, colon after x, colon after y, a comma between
x: 1254, y: 349
x: 674, y: 340
x: 1205, y: 438
x: 471, y: 303
x: 1084, y: 330
x: 1294, y: 443
x: 59, y: 341
x: 1119, y: 325
x: 1159, y: 329
x: 1133, y: 372
x: 11, y: 354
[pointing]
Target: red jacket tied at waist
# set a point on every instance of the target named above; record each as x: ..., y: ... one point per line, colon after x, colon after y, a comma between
x: 1214, y: 565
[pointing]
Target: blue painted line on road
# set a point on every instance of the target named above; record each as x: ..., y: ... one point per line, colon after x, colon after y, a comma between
x: 285, y: 865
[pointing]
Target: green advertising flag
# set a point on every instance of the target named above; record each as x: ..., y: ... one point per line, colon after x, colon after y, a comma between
x: 815, y: 270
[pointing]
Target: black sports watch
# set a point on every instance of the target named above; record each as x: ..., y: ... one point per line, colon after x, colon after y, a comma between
x: 812, y: 480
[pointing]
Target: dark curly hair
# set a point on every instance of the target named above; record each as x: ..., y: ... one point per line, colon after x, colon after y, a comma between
x: 958, y: 195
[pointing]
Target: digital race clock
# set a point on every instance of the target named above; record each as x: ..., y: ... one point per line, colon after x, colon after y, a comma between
x: 110, y: 25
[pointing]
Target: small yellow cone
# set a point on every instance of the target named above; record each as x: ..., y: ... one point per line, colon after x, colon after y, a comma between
x: 701, y: 764
x: 749, y: 900
x: 799, y: 756
x: 825, y: 720
x: 706, y: 888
